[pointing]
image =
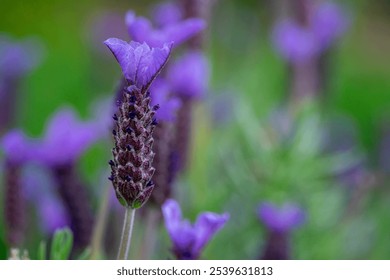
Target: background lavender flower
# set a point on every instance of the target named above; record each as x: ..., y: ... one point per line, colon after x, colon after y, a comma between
x: 189, y: 240
x: 132, y: 169
x: 38, y: 188
x: 16, y: 152
x: 189, y: 75
x: 141, y: 30
x: 66, y: 139
x: 296, y: 42
x: 16, y: 59
x: 279, y: 221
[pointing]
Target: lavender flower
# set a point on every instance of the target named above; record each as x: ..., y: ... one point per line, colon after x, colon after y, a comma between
x: 131, y: 167
x: 14, y: 147
x: 279, y: 221
x: 297, y: 43
x: 189, y: 240
x: 141, y: 30
x: 66, y: 138
x: 188, y: 78
x: 38, y: 185
x: 189, y: 75
x: 16, y: 59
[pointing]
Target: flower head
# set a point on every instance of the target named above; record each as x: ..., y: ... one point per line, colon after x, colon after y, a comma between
x: 189, y: 240
x: 140, y: 64
x: 281, y: 219
x: 189, y: 75
x: 131, y: 168
x: 141, y: 30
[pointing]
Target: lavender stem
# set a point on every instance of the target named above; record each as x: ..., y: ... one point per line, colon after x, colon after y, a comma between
x: 127, y: 230
x: 152, y: 223
x: 100, y: 225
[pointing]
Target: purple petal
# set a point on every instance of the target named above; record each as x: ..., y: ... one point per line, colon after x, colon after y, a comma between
x: 206, y: 226
x: 140, y: 64
x: 141, y: 30
x: 160, y: 91
x: 281, y: 219
x: 181, y: 32
x: 167, y: 14
x: 66, y: 138
x: 180, y: 231
x: 189, y: 76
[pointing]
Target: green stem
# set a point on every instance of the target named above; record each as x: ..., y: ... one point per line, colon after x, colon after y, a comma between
x: 149, y: 243
x: 126, y: 234
x: 100, y: 225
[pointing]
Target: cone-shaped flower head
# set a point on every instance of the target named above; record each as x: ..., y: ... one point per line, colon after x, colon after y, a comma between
x: 189, y: 240
x: 298, y: 43
x: 141, y: 30
x: 189, y: 75
x: 131, y: 167
x: 66, y: 138
x: 281, y: 219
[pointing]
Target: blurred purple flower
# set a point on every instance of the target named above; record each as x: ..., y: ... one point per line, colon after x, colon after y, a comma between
x: 298, y: 43
x: 281, y: 219
x: 18, y: 57
x: 168, y: 106
x: 38, y: 188
x: 189, y: 240
x: 16, y: 147
x: 189, y: 75
x: 141, y: 30
x: 140, y: 64
x: 166, y: 14
x: 66, y: 138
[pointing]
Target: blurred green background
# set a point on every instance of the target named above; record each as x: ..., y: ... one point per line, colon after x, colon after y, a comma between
x: 246, y: 71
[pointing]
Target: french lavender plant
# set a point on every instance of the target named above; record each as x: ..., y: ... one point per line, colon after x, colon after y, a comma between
x: 189, y: 240
x: 16, y: 153
x: 17, y: 58
x: 65, y: 140
x: 131, y: 166
x: 279, y: 222
x: 171, y: 26
x: 304, y: 40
